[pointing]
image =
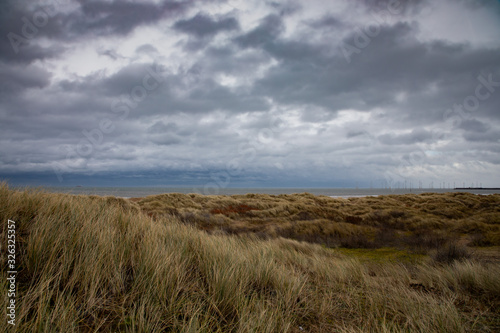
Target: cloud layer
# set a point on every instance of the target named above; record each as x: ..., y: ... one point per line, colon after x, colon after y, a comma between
x: 254, y: 93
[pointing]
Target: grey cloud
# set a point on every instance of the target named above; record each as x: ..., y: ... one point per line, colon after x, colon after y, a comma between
x: 488, y: 136
x: 146, y: 48
x: 353, y: 134
x: 110, y: 53
x: 92, y: 17
x: 28, y: 52
x: 315, y: 115
x: 191, y: 91
x: 119, y: 17
x: 474, y: 125
x: 286, y: 7
x: 16, y: 79
x: 208, y: 95
x: 165, y: 139
x: 119, y: 83
x: 327, y: 21
x: 129, y: 77
x: 202, y: 25
x: 416, y: 136
x: 394, y: 61
x: 229, y: 60
x: 194, y: 45
x: 266, y: 32
x: 161, y: 127
x: 298, y: 51
x: 53, y: 112
x: 19, y: 41
x: 409, y: 7
x: 476, y: 4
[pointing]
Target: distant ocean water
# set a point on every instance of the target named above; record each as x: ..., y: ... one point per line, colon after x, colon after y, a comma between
x: 135, y: 192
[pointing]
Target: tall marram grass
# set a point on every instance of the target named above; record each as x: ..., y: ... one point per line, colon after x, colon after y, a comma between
x: 89, y: 264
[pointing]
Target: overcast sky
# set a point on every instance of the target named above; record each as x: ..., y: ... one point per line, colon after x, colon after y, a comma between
x: 250, y: 93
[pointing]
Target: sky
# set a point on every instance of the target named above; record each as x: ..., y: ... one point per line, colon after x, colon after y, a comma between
x: 254, y: 93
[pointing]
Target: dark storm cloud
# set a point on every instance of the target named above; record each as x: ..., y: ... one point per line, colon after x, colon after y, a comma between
x: 202, y: 25
x: 29, y: 53
x: 24, y: 25
x: 19, y: 33
x: 266, y: 32
x: 120, y: 17
x: 16, y: 79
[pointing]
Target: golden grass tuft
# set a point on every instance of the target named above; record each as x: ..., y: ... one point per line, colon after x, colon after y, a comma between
x: 90, y: 264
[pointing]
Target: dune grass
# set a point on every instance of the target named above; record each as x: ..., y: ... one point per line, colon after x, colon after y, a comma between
x: 89, y: 264
x: 419, y: 222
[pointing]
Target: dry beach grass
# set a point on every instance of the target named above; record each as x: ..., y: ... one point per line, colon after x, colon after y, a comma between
x: 420, y: 222
x: 189, y: 263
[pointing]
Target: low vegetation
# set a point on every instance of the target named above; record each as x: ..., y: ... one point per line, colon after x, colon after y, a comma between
x: 418, y: 222
x: 188, y: 263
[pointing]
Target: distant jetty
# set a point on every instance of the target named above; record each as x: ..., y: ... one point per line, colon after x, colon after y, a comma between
x: 478, y: 188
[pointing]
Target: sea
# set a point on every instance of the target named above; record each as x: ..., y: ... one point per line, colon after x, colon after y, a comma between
x: 139, y: 192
